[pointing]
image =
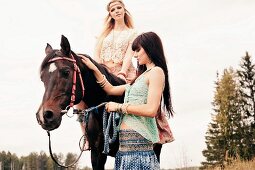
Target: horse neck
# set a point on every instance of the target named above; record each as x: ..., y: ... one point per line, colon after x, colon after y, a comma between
x: 94, y: 94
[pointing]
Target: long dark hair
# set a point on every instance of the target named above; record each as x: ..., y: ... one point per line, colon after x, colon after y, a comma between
x: 152, y: 45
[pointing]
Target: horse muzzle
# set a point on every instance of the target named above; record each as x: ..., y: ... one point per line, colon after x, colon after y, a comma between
x: 48, y: 118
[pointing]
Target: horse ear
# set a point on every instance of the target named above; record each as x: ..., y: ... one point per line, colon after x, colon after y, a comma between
x: 48, y: 49
x: 65, y: 46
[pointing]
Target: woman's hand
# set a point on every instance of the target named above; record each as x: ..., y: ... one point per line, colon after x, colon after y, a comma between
x: 88, y: 62
x: 111, y: 106
x: 122, y: 77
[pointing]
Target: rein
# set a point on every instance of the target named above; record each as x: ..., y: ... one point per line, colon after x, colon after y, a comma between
x: 59, y: 164
x: 76, y: 70
x: 113, y: 118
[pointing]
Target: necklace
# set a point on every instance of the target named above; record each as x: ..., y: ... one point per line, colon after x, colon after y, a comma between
x: 114, y: 46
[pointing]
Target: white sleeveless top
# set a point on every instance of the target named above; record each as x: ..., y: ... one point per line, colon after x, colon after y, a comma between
x: 115, y: 44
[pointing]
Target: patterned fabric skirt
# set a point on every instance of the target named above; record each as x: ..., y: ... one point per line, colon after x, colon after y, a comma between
x: 135, y: 152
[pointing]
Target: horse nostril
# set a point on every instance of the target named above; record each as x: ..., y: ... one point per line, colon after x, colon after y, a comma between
x: 48, y: 115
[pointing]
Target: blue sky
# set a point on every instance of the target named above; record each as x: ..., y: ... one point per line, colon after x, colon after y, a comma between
x: 200, y: 37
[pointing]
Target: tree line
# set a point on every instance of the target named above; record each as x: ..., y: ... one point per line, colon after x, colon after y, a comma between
x: 36, y: 161
x: 231, y: 132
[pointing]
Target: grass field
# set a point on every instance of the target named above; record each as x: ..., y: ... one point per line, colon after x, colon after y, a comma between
x: 239, y: 165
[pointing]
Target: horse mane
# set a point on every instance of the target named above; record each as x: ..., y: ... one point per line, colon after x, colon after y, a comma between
x: 102, y: 68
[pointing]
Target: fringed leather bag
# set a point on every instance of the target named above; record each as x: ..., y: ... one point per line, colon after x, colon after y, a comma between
x: 165, y: 133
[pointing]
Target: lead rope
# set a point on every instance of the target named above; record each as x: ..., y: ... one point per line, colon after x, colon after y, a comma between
x: 59, y: 164
x: 113, y: 118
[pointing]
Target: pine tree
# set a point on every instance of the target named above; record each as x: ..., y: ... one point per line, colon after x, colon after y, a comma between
x: 214, y: 140
x: 246, y: 76
x: 222, y: 135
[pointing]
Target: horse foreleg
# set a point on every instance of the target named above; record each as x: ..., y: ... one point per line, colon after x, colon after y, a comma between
x: 101, y: 161
x: 157, y: 149
x: 97, y: 159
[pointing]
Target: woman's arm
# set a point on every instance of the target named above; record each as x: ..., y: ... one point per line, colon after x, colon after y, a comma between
x: 127, y: 60
x: 108, y: 88
x: 156, y: 80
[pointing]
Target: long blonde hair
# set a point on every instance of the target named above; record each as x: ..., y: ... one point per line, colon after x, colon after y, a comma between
x: 110, y: 22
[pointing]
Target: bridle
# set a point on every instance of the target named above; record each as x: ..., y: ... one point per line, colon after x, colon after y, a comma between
x: 76, y: 70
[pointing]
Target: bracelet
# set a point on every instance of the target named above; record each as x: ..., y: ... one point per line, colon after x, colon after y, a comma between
x: 100, y: 82
x: 127, y: 108
x: 124, y: 109
x: 104, y: 83
x: 123, y: 74
x: 118, y: 107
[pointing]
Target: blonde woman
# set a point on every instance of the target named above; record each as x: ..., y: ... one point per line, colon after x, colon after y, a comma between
x: 113, y: 48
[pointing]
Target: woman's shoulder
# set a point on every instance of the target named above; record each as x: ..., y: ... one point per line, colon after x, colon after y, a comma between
x: 157, y: 70
x: 132, y: 34
x: 156, y: 73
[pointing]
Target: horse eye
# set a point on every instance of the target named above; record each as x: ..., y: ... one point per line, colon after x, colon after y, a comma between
x: 65, y: 73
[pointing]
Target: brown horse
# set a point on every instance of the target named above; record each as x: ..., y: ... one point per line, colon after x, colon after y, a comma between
x: 67, y: 81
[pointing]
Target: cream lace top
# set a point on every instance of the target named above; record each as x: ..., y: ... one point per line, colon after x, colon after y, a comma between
x: 115, y: 44
x: 137, y: 94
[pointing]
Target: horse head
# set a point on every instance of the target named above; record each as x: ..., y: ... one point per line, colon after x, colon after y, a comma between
x: 65, y: 79
x: 63, y: 84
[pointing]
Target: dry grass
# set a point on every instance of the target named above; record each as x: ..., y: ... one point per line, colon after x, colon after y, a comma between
x: 240, y: 165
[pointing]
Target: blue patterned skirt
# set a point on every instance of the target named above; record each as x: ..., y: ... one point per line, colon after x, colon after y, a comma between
x: 135, y: 152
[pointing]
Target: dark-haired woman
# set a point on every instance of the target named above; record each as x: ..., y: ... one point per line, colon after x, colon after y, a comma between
x: 143, y: 97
